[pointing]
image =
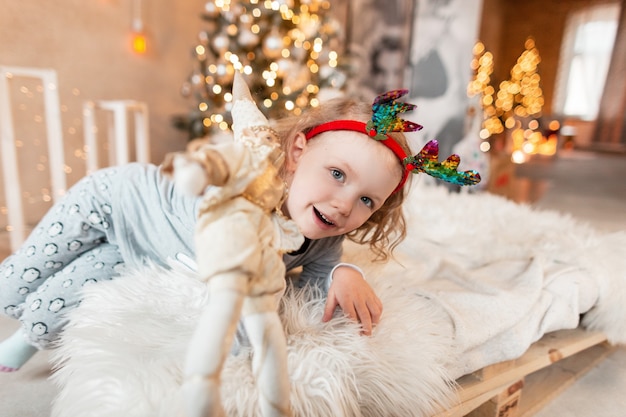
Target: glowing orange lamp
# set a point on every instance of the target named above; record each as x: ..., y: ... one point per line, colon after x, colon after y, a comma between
x: 139, y: 43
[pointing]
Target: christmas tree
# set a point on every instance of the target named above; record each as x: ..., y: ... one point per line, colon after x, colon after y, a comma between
x: 288, y: 49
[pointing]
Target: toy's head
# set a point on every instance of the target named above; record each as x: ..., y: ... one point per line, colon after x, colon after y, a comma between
x: 249, y: 122
x: 252, y: 129
x: 245, y: 166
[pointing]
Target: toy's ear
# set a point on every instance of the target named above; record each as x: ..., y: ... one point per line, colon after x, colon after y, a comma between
x: 245, y: 112
x: 240, y: 88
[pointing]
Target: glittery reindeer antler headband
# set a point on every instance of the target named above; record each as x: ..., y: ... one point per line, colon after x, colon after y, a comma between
x: 384, y: 120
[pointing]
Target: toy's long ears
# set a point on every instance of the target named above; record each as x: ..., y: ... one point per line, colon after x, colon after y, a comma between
x: 245, y: 112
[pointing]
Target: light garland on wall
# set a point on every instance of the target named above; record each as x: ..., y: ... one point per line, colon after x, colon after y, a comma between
x: 26, y: 101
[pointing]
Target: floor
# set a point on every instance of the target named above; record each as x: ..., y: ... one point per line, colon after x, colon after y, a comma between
x: 590, y: 186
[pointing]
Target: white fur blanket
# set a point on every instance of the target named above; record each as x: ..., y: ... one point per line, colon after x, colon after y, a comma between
x: 476, y: 282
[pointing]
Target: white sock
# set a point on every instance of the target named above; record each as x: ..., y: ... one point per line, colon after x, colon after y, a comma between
x: 15, y: 352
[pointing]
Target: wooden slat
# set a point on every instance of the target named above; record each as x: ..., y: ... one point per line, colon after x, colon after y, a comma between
x: 550, y: 349
x: 475, y: 389
x: 505, y: 404
x: 546, y: 384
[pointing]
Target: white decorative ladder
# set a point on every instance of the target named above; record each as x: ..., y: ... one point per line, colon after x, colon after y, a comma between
x: 117, y: 136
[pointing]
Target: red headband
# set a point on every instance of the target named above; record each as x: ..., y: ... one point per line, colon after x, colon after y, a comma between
x: 361, y: 127
x: 385, y: 111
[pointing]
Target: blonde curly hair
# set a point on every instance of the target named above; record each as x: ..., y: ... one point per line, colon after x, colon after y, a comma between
x: 386, y: 228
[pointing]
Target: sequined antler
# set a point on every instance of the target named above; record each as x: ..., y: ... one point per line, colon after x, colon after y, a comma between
x: 427, y: 162
x: 385, y: 117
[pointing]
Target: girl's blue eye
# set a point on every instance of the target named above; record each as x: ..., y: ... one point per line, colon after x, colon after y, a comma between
x: 367, y: 201
x: 336, y: 174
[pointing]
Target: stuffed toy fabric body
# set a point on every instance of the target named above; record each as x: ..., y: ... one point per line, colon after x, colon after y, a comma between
x: 240, y: 238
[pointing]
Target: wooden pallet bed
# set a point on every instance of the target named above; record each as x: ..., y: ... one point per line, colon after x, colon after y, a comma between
x: 520, y: 387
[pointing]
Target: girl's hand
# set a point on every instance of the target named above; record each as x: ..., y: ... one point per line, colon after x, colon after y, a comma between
x: 356, y: 298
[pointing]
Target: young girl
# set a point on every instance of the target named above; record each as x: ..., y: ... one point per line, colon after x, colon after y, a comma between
x: 342, y: 182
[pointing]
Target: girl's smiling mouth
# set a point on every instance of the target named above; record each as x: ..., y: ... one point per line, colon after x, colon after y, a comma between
x: 323, y: 218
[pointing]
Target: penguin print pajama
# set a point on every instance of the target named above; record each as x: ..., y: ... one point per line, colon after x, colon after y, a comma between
x: 76, y: 244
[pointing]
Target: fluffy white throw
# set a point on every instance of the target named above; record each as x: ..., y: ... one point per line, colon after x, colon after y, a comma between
x: 478, y: 279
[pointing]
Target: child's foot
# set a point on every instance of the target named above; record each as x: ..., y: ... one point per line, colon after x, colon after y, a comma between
x: 15, y: 352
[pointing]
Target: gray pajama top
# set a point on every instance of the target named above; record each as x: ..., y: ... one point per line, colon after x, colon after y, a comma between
x: 155, y: 221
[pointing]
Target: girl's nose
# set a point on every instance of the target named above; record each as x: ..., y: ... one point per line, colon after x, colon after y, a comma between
x: 343, y: 204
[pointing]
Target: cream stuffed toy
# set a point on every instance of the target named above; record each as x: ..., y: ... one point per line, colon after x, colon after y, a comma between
x: 240, y: 238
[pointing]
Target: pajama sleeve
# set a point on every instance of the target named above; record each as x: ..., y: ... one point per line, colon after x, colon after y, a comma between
x: 329, y: 278
x: 318, y: 262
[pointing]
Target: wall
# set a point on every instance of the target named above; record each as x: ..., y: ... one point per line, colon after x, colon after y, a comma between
x: 506, y: 24
x: 87, y: 43
x: 443, y: 38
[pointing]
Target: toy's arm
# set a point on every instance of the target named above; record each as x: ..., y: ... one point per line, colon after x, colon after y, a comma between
x: 194, y: 170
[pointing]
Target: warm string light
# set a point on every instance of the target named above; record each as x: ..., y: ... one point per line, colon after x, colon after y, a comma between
x: 28, y: 103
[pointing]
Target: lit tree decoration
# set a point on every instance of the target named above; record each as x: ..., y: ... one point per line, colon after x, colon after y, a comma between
x: 517, y: 104
x: 288, y: 50
x: 482, y: 65
x: 519, y: 97
x: 522, y: 94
